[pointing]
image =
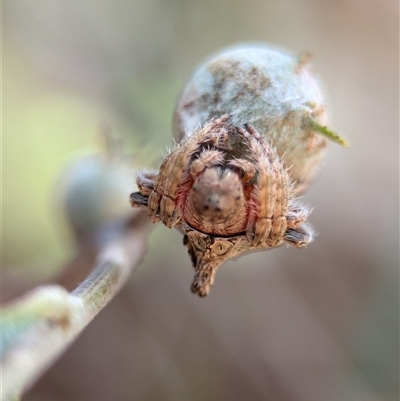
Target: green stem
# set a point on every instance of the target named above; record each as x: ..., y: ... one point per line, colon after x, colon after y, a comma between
x: 314, y: 125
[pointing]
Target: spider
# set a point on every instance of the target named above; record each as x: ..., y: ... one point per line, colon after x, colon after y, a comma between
x: 225, y: 188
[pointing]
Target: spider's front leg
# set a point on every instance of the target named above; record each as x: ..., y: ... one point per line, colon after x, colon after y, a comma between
x: 262, y: 197
x: 283, y: 194
x: 269, y: 194
x: 162, y: 200
x: 177, y: 168
x: 146, y: 181
x: 247, y: 170
x: 207, y: 158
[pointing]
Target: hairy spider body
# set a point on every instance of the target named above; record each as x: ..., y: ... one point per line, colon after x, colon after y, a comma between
x: 224, y: 186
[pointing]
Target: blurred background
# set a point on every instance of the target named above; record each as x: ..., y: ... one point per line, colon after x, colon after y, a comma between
x: 302, y: 325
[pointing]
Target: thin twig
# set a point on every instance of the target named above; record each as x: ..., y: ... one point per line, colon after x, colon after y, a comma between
x: 40, y: 326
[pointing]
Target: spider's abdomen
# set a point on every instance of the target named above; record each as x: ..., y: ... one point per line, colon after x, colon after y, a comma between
x: 216, y: 203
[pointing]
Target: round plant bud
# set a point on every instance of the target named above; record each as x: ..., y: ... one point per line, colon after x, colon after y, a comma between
x: 271, y: 91
x: 93, y: 192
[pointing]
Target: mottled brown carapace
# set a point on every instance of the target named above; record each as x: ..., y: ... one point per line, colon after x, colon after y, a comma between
x: 225, y: 188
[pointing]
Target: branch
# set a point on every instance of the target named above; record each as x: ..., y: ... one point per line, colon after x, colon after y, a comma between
x: 39, y: 327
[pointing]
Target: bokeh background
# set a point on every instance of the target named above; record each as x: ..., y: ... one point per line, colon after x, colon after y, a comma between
x: 301, y: 325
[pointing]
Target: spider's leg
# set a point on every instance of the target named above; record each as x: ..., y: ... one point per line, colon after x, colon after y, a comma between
x: 253, y: 133
x: 279, y: 223
x: 269, y: 198
x: 217, y: 134
x: 299, y: 237
x: 174, y: 171
x: 259, y: 176
x: 247, y: 169
x: 155, y: 195
x: 172, y: 174
x: 262, y: 198
x: 138, y: 200
x: 207, y: 158
x: 296, y: 214
x: 146, y: 181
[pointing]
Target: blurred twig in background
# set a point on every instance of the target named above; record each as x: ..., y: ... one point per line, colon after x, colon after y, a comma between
x: 37, y: 328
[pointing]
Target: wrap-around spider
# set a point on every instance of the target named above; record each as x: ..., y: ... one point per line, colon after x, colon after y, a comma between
x: 250, y: 127
x: 225, y: 188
